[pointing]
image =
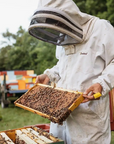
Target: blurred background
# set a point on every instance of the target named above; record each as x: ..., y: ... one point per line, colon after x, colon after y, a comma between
x: 20, y: 51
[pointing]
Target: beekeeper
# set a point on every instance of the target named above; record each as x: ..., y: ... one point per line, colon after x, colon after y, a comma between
x: 85, y: 53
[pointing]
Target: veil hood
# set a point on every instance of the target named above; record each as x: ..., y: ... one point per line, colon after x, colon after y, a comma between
x: 60, y: 22
x: 67, y: 6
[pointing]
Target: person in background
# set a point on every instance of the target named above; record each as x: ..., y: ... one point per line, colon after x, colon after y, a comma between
x: 85, y: 53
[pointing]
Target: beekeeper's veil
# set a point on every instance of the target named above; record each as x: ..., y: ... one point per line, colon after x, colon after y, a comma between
x: 59, y: 22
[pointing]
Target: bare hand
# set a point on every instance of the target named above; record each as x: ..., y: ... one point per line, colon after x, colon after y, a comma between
x: 43, y: 79
x: 89, y: 93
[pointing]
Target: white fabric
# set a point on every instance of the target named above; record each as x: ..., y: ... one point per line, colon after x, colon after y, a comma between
x: 64, y: 6
x: 80, y: 19
x: 90, y: 62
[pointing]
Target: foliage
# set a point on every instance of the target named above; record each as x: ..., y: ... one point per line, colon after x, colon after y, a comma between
x: 4, y: 56
x: 95, y: 7
x: 101, y: 8
x: 81, y: 5
x: 23, y: 51
x: 110, y: 11
x: 26, y: 53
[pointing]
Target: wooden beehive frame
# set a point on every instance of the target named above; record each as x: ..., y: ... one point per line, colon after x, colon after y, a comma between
x: 71, y: 108
x: 27, y: 134
x: 6, y: 138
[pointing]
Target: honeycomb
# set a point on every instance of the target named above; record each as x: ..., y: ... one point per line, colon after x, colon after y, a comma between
x: 53, y: 102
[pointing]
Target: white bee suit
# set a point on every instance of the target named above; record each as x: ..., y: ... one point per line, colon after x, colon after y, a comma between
x: 92, y: 62
x: 80, y: 65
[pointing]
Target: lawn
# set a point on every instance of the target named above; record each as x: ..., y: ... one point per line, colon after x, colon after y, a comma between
x: 15, y: 117
x: 112, y: 140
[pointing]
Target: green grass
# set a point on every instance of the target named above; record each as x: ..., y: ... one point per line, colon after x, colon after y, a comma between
x: 112, y: 139
x: 15, y: 117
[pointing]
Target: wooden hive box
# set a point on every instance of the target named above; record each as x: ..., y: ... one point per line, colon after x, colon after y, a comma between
x: 28, y: 135
x: 53, y: 103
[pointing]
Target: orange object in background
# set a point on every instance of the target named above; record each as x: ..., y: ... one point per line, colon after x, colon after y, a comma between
x: 20, y: 72
x: 27, y: 86
x: 21, y: 84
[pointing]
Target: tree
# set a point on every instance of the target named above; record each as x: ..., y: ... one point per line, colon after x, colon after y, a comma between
x: 27, y: 53
x: 81, y: 4
x: 103, y: 9
x: 3, y: 57
x: 17, y: 54
x: 23, y: 51
x: 95, y: 7
x: 110, y: 11
x: 45, y: 56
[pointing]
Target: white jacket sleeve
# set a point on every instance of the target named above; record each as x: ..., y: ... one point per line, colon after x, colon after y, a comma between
x: 53, y: 73
x: 106, y: 79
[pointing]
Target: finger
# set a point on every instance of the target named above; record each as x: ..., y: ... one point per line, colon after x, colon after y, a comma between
x: 90, y: 97
x: 90, y: 94
x: 88, y: 90
x: 37, y: 79
x: 46, y: 81
x: 85, y: 100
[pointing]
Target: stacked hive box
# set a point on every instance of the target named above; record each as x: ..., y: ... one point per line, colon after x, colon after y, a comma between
x: 4, y: 139
x: 32, y: 135
x: 18, y: 79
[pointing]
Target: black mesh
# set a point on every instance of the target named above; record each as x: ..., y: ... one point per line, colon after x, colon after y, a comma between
x: 54, y: 22
x: 50, y: 35
x: 57, y: 14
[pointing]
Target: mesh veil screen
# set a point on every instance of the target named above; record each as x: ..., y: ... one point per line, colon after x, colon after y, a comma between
x: 50, y: 35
